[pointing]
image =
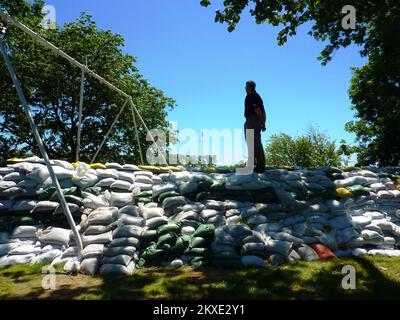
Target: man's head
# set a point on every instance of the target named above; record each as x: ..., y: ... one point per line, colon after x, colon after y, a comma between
x: 250, y: 86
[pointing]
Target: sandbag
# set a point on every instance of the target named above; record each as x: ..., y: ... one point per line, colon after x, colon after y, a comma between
x: 125, y: 242
x: 120, y: 200
x: 121, y: 259
x: 54, y: 235
x: 277, y: 246
x: 115, y: 251
x: 103, y: 238
x: 7, y: 261
x: 130, y: 210
x: 117, y: 269
x: 103, y: 216
x: 253, y: 261
x: 24, y: 232
x: 90, y: 265
x: 47, y: 257
x: 306, y: 252
x: 323, y: 252
x: 127, y: 231
x: 154, y: 223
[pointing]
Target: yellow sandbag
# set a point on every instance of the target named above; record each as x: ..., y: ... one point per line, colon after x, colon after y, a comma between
x: 150, y: 168
x: 75, y: 164
x: 343, y: 192
x: 14, y: 160
x: 97, y: 166
x: 170, y: 168
x: 210, y: 170
x: 398, y: 181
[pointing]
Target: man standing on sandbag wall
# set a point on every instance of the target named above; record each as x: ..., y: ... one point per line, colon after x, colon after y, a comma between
x: 254, y: 113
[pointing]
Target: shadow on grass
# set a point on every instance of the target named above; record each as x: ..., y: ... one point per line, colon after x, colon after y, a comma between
x: 301, y: 280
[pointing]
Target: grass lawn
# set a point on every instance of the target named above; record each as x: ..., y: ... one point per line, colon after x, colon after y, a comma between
x: 376, y: 278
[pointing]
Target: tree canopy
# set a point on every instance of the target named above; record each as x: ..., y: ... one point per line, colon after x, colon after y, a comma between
x: 312, y: 149
x: 52, y: 88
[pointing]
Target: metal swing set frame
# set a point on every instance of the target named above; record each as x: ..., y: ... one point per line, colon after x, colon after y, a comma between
x: 7, y: 19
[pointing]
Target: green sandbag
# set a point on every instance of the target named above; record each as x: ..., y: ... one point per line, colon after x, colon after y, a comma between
x: 145, y: 194
x: 93, y: 190
x: 198, y: 262
x: 164, y: 247
x: 205, y: 185
x: 143, y: 200
x: 197, y: 252
x: 265, y: 197
x: 336, y: 176
x: 167, y: 228
x: 141, y: 263
x: 210, y: 196
x: 205, y: 231
x: 167, y: 194
x: 45, y: 194
x: 358, y: 190
x: 151, y: 252
x: 74, y: 199
x: 25, y: 221
x: 149, y: 235
x: 181, y: 244
x: 217, y: 186
x: 199, y: 242
x: 169, y: 238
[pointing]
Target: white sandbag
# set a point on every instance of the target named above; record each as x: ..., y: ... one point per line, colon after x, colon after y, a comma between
x: 115, y: 251
x: 277, y: 259
x: 103, y: 216
x: 385, y: 194
x: 62, y: 173
x: 306, y: 252
x: 257, y: 219
x: 233, y: 220
x: 113, y: 165
x: 360, y: 221
x: 253, y: 261
x: 85, y: 181
x: 45, y: 206
x: 6, y: 170
x: 209, y: 213
x: 351, y: 181
x: 7, y: 261
x: 130, y: 167
x: 153, y: 223
x: 54, y: 235
x: 25, y: 249
x: 127, y: 231
x: 47, y: 257
x: 107, y: 173
x: 125, y: 219
x: 103, y: 238
x: 188, y: 231
x: 284, y: 236
x: 117, y: 269
x: 4, y: 237
x: 268, y: 227
x: 90, y: 266
x: 70, y: 252
x: 253, y: 246
x: 149, y: 213
x: 63, y: 164
x: 370, y: 234
x: 143, y: 179
x: 92, y: 201
x: 39, y: 174
x: 98, y: 229
x: 13, y: 193
x: 344, y: 236
x: 105, y: 183
x: 93, y: 250
x: 23, y: 205
x: 141, y: 186
x: 387, y: 253
x: 126, y: 176
x: 120, y: 200
x: 14, y: 176
x: 238, y: 231
x: 121, y: 185
x: 236, y: 179
x: 24, y: 232
x: 73, y: 208
x: 4, y: 185
x: 122, y: 259
x: 130, y: 210
x: 177, y: 263
x: 278, y: 246
x: 125, y: 242
x: 7, y: 247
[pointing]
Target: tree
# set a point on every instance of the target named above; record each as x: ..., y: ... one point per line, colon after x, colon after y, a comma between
x: 52, y: 87
x: 310, y: 150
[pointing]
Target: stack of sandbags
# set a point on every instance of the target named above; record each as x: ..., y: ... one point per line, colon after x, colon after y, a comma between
x: 97, y: 234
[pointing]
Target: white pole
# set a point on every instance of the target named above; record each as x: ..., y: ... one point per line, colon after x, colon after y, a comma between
x: 36, y: 134
x: 137, y: 135
x: 78, y: 138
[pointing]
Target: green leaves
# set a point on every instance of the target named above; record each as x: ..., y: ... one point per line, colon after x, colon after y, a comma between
x: 310, y: 150
x: 52, y: 87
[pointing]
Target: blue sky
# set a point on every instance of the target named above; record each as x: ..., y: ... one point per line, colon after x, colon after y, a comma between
x: 180, y: 50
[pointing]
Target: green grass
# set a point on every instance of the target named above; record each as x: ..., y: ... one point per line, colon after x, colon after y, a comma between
x: 377, y: 278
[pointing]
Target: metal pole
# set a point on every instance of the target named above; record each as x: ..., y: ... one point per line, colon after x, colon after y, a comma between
x: 148, y: 131
x: 78, y: 138
x: 53, y: 176
x: 137, y: 136
x: 109, y: 131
